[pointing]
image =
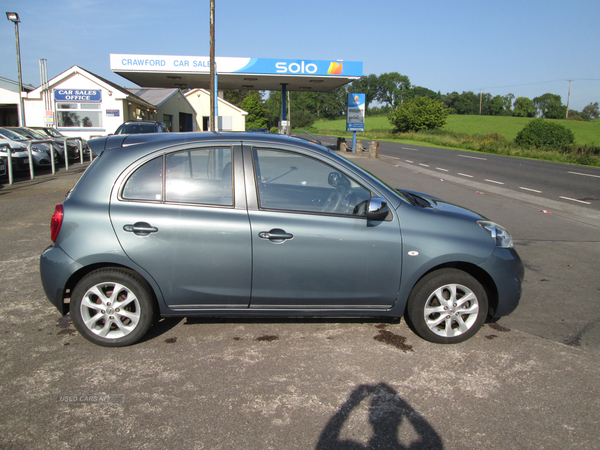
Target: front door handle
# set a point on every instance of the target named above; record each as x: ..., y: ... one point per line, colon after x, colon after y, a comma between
x: 275, y: 234
x: 140, y: 228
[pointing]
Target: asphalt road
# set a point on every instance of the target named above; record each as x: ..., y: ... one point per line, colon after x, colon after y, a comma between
x: 530, y: 381
x: 575, y: 185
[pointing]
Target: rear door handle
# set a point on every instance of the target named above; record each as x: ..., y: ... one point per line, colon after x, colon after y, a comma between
x: 140, y: 228
x: 275, y: 234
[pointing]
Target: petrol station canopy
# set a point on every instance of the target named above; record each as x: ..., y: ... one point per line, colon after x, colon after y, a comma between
x: 189, y: 72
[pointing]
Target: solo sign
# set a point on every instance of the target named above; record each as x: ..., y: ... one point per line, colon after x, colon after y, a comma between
x: 355, y: 114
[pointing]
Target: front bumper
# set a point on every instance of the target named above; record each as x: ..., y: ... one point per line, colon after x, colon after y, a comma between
x: 507, y: 270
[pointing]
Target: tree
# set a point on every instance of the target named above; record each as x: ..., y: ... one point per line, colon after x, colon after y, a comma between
x: 392, y: 88
x: 368, y: 85
x: 237, y: 96
x: 495, y: 106
x: 545, y: 133
x: 524, y: 107
x: 418, y: 91
x: 550, y: 106
x: 256, y: 117
x: 465, y: 103
x: 592, y: 111
x: 419, y: 113
x: 507, y: 101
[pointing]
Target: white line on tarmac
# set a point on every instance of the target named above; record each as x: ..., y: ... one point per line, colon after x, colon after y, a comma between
x: 574, y: 200
x: 409, y: 161
x: 465, y: 175
x: 443, y: 170
x: 385, y: 156
x: 531, y: 190
x: 413, y: 149
x: 424, y: 165
x: 472, y: 157
x: 585, y: 174
x: 493, y: 181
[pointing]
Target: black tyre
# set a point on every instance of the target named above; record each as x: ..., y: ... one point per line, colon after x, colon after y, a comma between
x: 112, y: 307
x: 447, y: 306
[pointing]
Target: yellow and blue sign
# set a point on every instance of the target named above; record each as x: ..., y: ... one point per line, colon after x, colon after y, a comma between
x: 355, y: 114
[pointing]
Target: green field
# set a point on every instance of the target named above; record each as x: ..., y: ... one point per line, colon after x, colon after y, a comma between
x: 585, y: 132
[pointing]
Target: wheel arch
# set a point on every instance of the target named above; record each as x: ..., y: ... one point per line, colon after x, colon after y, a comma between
x: 77, y: 276
x: 476, y: 272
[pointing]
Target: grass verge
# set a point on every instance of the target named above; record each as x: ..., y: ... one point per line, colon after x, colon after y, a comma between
x: 499, y: 143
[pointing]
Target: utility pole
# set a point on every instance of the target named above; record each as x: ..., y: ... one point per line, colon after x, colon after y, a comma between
x: 14, y: 17
x: 213, y: 95
x: 569, y: 97
x: 480, y: 100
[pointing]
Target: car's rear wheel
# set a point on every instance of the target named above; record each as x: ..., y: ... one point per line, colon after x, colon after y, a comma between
x: 447, y: 306
x: 112, y: 307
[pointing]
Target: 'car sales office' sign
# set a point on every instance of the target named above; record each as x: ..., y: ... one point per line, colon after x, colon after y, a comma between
x: 78, y: 95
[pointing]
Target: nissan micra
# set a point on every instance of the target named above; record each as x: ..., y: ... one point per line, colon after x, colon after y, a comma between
x: 259, y: 225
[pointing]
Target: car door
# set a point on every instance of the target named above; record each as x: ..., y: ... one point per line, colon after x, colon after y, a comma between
x: 182, y: 217
x: 312, y: 245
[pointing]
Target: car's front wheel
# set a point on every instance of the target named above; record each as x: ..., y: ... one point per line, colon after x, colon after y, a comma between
x: 447, y: 306
x: 112, y: 307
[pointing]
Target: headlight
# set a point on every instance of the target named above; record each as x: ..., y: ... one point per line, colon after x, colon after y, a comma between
x: 498, y: 233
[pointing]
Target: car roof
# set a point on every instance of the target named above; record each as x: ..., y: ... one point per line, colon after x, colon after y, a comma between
x: 161, y: 140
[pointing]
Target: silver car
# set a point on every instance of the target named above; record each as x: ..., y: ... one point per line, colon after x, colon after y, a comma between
x: 3, y: 171
x: 40, y: 152
x: 18, y: 153
x: 199, y: 224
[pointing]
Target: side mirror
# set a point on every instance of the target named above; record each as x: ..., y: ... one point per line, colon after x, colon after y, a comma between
x: 377, y: 209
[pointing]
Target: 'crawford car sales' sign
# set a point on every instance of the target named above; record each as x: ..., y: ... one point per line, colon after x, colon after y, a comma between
x: 78, y: 95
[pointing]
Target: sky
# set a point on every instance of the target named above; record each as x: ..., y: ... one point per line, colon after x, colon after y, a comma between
x: 523, y: 47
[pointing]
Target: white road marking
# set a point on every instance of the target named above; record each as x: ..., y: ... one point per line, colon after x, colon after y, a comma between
x: 412, y: 149
x: 443, y: 170
x: 385, y: 156
x: 424, y: 165
x: 409, y: 161
x: 493, y: 181
x: 465, y: 175
x: 472, y: 157
x: 574, y: 200
x: 532, y: 190
x: 585, y: 174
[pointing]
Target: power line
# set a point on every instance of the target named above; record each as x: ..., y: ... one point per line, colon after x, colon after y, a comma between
x: 541, y: 82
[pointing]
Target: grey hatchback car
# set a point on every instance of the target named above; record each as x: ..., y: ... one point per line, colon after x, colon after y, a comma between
x: 255, y: 225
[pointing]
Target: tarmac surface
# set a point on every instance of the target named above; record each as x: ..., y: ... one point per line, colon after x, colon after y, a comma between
x: 309, y: 384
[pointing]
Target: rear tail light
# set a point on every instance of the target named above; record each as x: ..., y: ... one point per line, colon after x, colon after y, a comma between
x: 56, y: 221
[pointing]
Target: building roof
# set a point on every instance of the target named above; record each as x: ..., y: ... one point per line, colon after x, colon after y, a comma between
x: 11, y: 85
x: 223, y: 101
x: 156, y: 96
x: 78, y: 70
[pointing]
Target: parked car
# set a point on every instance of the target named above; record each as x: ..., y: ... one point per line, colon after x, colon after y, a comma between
x: 3, y: 171
x: 53, y: 133
x: 18, y: 153
x: 230, y: 225
x: 142, y: 126
x: 17, y: 139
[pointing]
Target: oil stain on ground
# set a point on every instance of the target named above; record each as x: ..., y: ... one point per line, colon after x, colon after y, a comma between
x: 268, y: 338
x: 498, y: 327
x: 387, y: 337
x: 171, y: 340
